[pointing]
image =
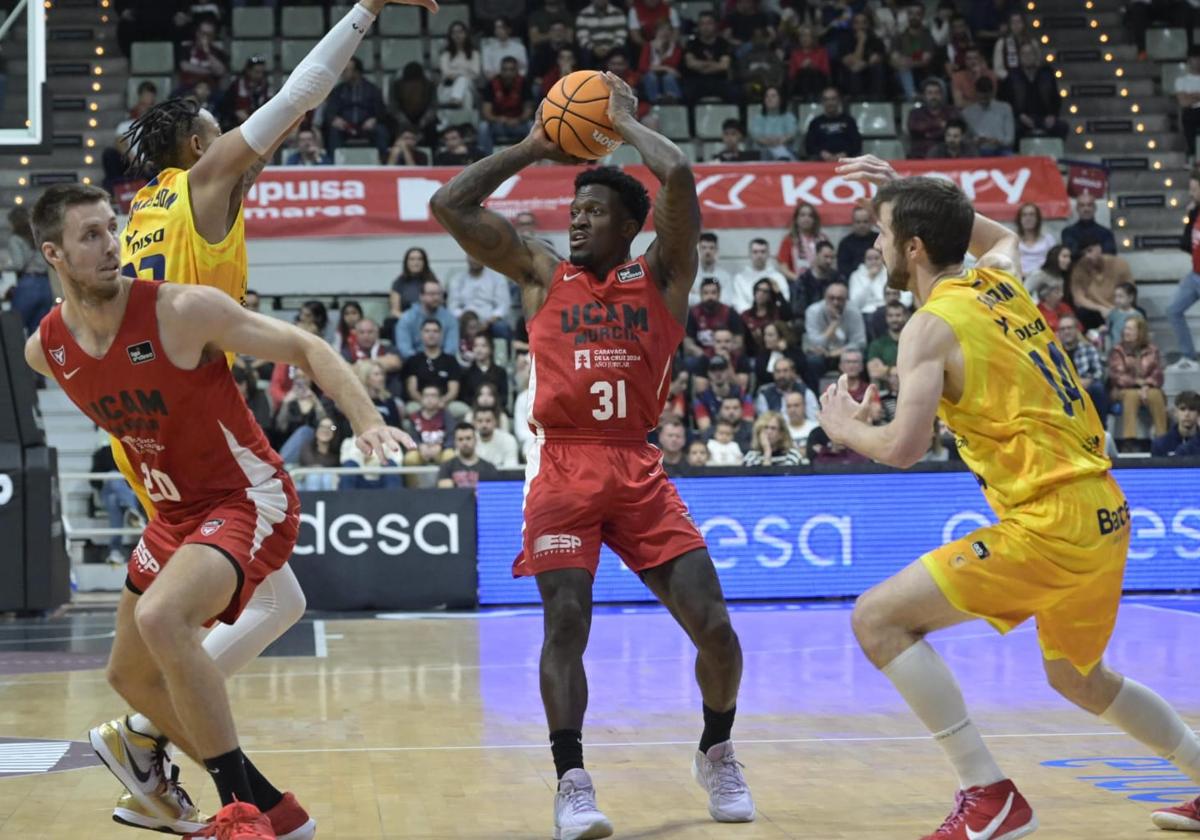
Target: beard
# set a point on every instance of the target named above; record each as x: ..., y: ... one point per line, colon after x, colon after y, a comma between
x: 898, y: 274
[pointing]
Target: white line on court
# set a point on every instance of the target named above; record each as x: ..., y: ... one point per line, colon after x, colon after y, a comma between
x: 1186, y: 613
x: 320, y: 645
x: 541, y: 746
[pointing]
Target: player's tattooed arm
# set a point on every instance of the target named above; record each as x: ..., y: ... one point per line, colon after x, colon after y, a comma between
x: 672, y: 255
x: 484, y: 234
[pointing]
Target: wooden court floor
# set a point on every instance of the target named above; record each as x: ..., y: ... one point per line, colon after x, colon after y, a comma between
x: 432, y: 728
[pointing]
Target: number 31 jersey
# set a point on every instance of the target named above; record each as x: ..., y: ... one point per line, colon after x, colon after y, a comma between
x: 601, y: 353
x: 160, y: 241
x: 1023, y: 424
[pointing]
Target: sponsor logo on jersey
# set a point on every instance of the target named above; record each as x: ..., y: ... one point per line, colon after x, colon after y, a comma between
x: 556, y: 543
x: 143, y: 445
x: 141, y: 352
x: 59, y: 355
x: 981, y: 550
x: 594, y: 322
x: 633, y: 271
x: 583, y: 360
x: 144, y: 560
x: 135, y: 243
x: 211, y: 527
x: 129, y: 412
x: 1111, y: 521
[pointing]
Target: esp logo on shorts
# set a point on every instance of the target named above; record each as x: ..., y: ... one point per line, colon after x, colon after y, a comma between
x: 211, y: 527
x: 556, y: 543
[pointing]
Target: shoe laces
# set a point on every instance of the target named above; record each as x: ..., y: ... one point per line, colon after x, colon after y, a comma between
x: 728, y: 779
x: 169, y: 772
x: 963, y: 800
x: 237, y: 816
x: 579, y: 799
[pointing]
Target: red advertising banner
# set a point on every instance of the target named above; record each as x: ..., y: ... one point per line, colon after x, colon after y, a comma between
x: 388, y: 201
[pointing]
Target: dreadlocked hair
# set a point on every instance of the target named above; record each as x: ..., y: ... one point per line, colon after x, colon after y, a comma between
x: 155, y: 137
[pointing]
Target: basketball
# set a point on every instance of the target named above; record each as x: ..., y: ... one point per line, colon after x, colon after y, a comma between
x: 575, y: 116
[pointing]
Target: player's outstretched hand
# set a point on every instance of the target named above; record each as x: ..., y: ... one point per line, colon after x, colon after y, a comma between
x: 622, y: 101
x: 867, y: 168
x: 384, y: 442
x: 839, y: 410
x: 543, y: 147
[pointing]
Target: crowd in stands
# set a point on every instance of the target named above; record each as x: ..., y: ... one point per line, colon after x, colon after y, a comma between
x: 974, y: 70
x: 448, y: 360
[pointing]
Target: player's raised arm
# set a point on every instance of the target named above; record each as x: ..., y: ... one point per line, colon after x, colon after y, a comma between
x: 925, y: 345
x: 235, y: 159
x: 673, y: 254
x: 992, y: 244
x: 197, y: 317
x: 486, y: 235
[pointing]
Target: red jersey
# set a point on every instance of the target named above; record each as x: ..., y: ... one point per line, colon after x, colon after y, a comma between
x: 600, y: 354
x: 188, y: 433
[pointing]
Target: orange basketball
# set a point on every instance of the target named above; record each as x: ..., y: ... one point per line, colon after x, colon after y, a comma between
x: 575, y: 116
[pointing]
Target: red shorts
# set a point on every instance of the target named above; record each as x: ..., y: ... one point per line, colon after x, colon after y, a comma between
x: 579, y: 495
x: 256, y: 529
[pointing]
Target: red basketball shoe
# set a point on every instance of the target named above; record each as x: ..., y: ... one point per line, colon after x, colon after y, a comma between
x: 237, y: 821
x: 995, y: 812
x: 1180, y: 818
x: 290, y: 821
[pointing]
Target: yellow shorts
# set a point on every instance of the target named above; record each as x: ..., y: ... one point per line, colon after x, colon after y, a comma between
x: 135, y: 482
x: 1059, y: 558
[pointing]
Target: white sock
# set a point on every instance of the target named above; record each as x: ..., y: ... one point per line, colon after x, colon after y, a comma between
x: 926, y: 684
x: 1146, y: 716
x: 276, y: 605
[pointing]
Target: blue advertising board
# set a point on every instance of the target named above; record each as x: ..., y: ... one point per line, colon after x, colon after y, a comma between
x: 823, y: 535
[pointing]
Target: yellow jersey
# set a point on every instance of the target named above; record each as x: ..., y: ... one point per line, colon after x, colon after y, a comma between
x: 1022, y: 424
x: 160, y: 241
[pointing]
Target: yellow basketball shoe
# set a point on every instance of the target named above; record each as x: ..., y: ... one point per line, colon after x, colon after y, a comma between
x: 172, y: 799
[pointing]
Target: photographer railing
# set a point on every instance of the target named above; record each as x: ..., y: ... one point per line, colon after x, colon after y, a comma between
x: 76, y: 532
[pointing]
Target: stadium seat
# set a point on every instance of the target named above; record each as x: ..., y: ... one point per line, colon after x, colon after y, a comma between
x: 710, y: 149
x: 338, y: 11
x: 457, y: 116
x: 805, y: 113
x: 242, y: 51
x: 165, y: 85
x: 888, y: 149
x: 151, y: 58
x: 366, y: 54
x: 625, y: 154
x: 691, y: 9
x: 301, y: 21
x: 710, y: 117
x: 1166, y: 44
x: 293, y: 52
x: 673, y: 121
x: 447, y: 15
x: 400, y: 22
x: 1171, y: 71
x: 1051, y: 147
x: 254, y: 22
x: 397, y: 52
x: 355, y: 156
x: 875, y: 119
